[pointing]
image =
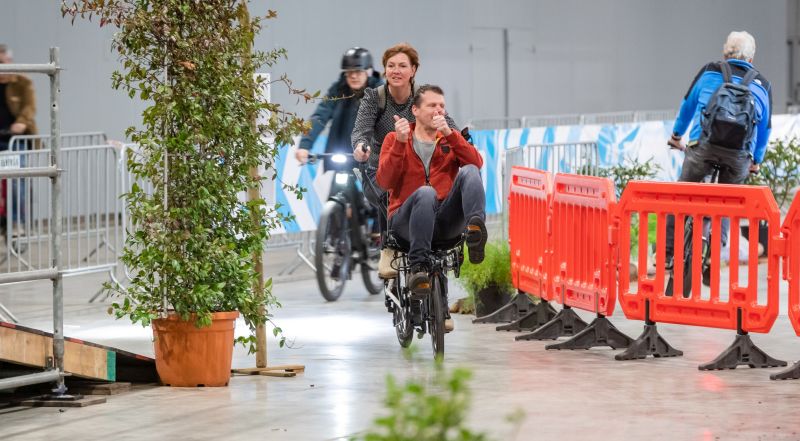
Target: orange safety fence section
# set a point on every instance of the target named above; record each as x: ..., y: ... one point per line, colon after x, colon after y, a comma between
x: 791, y: 272
x: 528, y: 226
x: 791, y: 227
x: 741, y: 309
x: 584, y: 256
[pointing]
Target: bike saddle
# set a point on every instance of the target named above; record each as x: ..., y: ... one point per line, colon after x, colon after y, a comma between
x: 398, y: 243
x: 718, y: 165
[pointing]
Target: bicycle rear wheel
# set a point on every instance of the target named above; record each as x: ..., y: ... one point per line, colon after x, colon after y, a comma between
x: 332, y: 251
x: 369, y: 266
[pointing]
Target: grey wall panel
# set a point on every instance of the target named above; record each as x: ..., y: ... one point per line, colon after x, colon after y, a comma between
x: 568, y: 56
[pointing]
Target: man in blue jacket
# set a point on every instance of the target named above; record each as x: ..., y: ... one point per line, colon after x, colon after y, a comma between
x: 737, y: 161
x: 340, y: 106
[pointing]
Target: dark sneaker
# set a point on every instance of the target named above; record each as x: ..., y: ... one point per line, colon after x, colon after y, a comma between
x: 419, y: 281
x: 476, y: 239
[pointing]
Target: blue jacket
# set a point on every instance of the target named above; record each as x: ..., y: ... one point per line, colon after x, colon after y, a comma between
x: 342, y: 113
x: 706, y: 83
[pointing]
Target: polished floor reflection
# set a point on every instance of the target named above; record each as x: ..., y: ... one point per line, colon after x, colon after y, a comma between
x: 349, y: 347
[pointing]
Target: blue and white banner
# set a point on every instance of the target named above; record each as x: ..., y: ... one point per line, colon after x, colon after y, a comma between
x: 642, y: 141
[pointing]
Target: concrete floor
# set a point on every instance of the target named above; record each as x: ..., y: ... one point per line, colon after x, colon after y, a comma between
x: 348, y: 348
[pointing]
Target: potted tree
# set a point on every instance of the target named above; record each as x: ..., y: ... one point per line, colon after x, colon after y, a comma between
x: 191, y: 246
x: 488, y: 284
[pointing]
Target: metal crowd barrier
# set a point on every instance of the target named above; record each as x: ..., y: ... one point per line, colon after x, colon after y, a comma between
x: 35, y: 142
x: 494, y: 123
x: 597, y: 118
x: 91, y: 218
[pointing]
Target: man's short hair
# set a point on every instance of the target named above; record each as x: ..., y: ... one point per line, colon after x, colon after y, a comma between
x: 426, y: 88
x: 739, y: 45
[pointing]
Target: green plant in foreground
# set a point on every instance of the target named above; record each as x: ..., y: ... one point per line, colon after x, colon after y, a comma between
x: 428, y: 411
x: 192, y: 243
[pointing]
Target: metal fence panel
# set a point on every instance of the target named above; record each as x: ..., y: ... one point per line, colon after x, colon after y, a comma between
x: 91, y: 211
x: 495, y: 123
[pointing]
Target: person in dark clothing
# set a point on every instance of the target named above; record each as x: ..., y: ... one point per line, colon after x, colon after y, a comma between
x: 739, y: 160
x: 340, y: 106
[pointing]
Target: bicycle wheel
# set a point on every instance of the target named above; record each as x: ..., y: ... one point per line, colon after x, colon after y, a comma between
x: 687, y: 264
x: 369, y: 266
x: 687, y: 260
x: 332, y: 251
x: 436, y: 317
x: 402, y: 320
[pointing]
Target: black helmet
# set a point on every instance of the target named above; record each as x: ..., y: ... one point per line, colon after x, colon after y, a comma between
x: 356, y: 58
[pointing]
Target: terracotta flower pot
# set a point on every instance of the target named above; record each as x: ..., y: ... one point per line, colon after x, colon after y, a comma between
x: 188, y: 356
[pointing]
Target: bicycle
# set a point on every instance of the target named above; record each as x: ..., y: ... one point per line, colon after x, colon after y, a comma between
x: 705, y: 252
x: 426, y: 315
x: 346, y: 234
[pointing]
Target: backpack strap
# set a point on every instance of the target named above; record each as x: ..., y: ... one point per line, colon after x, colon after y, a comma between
x: 749, y: 77
x: 383, y: 92
x: 725, y: 70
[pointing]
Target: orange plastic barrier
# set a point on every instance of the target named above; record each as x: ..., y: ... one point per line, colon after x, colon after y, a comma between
x: 715, y: 201
x: 528, y: 217
x: 584, y: 255
x: 791, y: 227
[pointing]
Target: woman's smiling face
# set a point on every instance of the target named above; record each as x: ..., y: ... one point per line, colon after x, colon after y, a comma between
x: 399, y: 70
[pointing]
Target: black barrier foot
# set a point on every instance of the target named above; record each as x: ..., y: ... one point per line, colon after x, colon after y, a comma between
x: 649, y: 343
x: 538, y: 316
x: 515, y: 309
x: 742, y: 352
x: 566, y: 322
x: 599, y: 333
x: 791, y: 373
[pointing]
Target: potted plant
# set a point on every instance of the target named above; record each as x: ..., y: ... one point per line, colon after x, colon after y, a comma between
x: 631, y: 169
x: 780, y: 171
x: 488, y: 284
x: 191, y: 246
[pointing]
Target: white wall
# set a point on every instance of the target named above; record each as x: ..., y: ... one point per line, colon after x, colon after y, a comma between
x: 567, y: 56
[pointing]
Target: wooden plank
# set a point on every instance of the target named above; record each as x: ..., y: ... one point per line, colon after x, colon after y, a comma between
x: 24, y: 348
x: 277, y: 374
x: 83, y: 402
x: 99, y: 388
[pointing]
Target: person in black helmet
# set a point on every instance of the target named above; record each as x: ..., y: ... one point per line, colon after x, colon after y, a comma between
x: 340, y: 106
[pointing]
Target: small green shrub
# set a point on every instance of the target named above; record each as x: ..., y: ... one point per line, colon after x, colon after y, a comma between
x: 495, y: 269
x: 780, y: 170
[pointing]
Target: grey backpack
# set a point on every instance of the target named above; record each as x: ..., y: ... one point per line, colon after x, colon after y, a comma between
x: 729, y: 119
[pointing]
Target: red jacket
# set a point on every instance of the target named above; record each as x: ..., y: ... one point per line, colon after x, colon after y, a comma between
x: 401, y: 171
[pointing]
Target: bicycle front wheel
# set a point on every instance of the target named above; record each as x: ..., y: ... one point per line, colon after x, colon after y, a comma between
x: 436, y: 319
x: 332, y: 251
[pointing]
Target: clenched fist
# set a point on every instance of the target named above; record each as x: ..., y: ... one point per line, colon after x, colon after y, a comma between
x: 440, y: 123
x: 402, y: 128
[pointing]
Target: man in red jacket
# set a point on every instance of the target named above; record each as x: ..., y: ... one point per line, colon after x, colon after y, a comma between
x: 433, y: 178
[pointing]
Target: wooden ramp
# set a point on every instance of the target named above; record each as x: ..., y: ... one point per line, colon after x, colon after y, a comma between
x: 34, y: 348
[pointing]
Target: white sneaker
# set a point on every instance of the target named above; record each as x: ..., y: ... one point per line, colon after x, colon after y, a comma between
x: 385, y: 270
